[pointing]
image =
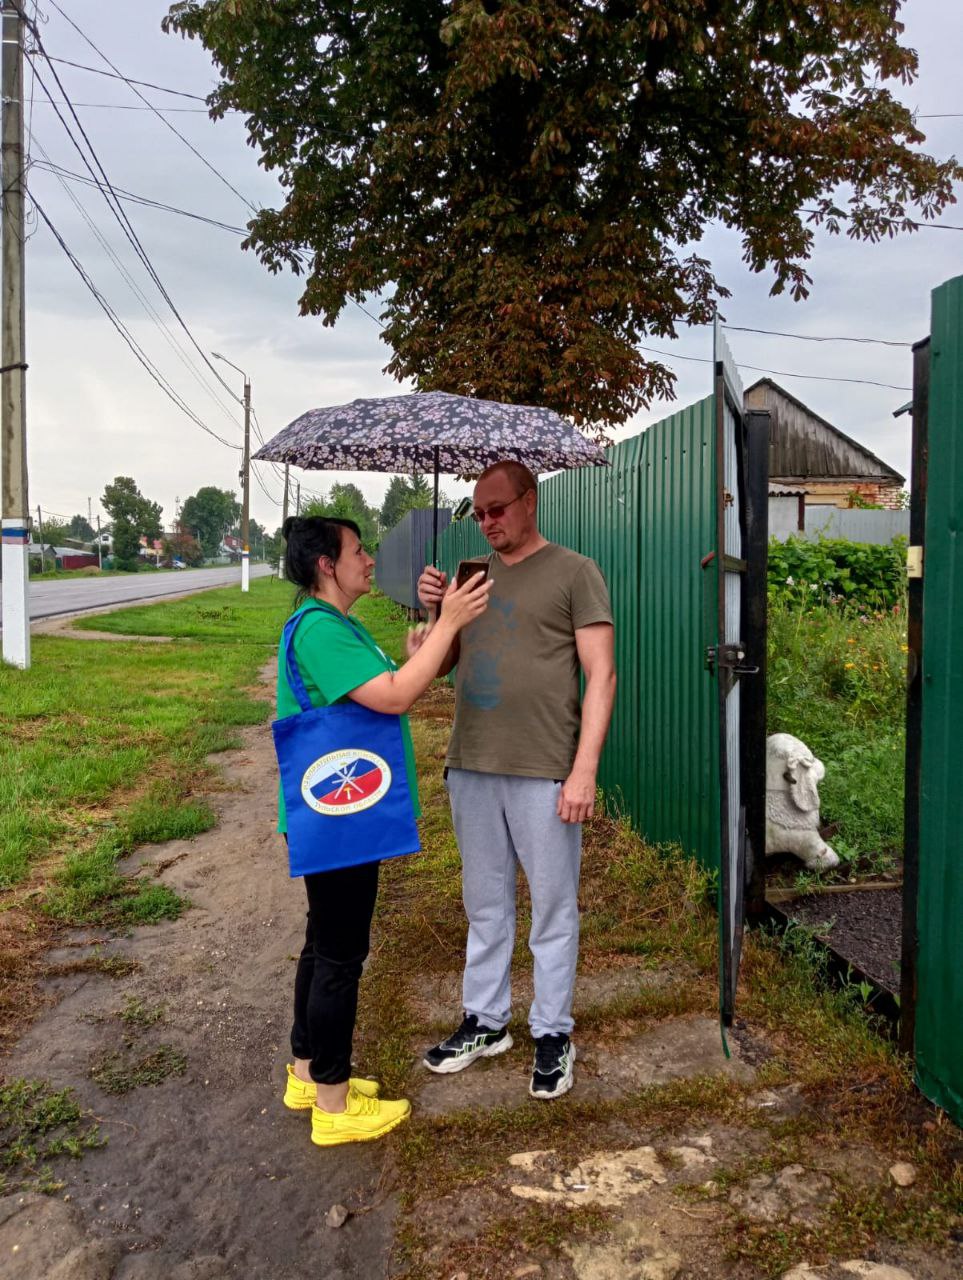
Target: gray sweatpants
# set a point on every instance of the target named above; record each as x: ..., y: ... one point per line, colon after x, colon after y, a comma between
x: 498, y: 820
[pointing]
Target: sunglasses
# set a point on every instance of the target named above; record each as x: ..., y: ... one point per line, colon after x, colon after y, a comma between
x: 495, y: 511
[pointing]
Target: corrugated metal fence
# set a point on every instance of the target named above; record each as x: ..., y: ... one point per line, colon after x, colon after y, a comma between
x: 648, y: 520
x: 935, y: 810
x: 401, y: 555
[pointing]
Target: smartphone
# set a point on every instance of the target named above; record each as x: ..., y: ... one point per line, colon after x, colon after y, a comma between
x: 468, y: 569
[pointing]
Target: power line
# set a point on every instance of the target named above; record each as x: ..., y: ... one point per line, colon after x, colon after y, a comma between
x: 123, y: 106
x: 117, y: 210
x: 779, y: 373
x: 115, y: 75
x: 148, y: 103
x: 270, y: 496
x: 899, y: 222
x: 125, y: 333
x: 49, y: 166
x: 144, y: 301
x: 278, y: 471
x: 808, y: 337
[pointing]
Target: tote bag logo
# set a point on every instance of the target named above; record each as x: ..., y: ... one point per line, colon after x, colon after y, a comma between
x: 345, y: 782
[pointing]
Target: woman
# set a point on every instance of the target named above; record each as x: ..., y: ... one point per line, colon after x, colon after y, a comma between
x: 338, y: 659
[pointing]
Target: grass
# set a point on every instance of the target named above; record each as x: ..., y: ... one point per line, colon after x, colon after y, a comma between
x: 651, y: 909
x: 837, y: 681
x: 123, y: 1070
x: 38, y: 1124
x: 105, y: 745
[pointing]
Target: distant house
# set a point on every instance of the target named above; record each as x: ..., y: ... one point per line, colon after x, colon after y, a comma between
x: 62, y: 557
x: 807, y: 452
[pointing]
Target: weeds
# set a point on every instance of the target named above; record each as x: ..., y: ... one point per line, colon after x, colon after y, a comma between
x: 97, y: 962
x: 37, y: 1125
x: 123, y: 1070
x: 136, y: 1013
x: 837, y: 680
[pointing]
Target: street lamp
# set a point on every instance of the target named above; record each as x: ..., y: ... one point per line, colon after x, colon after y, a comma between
x: 245, y: 475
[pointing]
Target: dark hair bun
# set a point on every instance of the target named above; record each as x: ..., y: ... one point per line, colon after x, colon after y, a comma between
x: 291, y: 523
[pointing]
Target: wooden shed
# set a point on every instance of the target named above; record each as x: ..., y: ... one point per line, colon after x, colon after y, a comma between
x: 808, y: 452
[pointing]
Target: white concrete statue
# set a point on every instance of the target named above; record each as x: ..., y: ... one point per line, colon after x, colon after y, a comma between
x: 792, y: 802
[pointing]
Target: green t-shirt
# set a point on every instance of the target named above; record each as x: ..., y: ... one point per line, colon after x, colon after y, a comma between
x: 517, y: 707
x: 335, y: 657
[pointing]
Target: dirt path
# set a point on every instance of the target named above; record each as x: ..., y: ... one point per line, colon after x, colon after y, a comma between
x: 206, y: 1175
x: 663, y: 1159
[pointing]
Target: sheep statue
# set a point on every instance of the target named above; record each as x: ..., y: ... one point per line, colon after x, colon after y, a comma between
x: 792, y: 802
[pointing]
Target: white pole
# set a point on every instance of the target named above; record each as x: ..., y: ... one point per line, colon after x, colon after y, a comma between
x: 13, y: 425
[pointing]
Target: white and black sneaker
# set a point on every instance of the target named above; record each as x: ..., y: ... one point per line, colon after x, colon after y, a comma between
x: 553, y: 1070
x: 469, y: 1042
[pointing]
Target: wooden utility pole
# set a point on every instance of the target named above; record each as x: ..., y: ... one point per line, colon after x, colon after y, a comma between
x: 246, y: 479
x: 13, y: 424
x: 284, y: 516
x: 244, y: 475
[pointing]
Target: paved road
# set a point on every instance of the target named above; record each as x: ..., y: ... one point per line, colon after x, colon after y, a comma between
x: 61, y: 596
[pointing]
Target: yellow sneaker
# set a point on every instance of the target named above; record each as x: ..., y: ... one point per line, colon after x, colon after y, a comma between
x: 301, y: 1095
x: 363, y: 1118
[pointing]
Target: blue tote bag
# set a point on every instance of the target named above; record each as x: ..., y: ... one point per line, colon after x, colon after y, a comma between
x: 343, y: 777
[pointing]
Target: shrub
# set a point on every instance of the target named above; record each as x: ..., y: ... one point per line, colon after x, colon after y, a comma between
x: 858, y: 575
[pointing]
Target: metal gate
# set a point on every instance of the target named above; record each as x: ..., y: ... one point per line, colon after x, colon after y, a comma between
x: 737, y: 655
x: 931, y: 1007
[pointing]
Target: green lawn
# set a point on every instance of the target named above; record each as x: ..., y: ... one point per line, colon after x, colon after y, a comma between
x: 104, y: 742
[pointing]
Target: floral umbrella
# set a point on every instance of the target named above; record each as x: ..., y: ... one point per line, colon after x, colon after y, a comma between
x: 430, y: 431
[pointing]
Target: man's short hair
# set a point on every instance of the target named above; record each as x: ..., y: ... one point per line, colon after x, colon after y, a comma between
x: 521, y: 478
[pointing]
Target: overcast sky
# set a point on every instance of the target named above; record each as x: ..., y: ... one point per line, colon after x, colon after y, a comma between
x: 94, y: 413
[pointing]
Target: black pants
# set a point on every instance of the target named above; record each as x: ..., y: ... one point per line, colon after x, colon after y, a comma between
x: 340, y: 907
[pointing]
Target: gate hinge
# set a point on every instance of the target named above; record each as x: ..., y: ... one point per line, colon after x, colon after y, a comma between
x: 730, y: 657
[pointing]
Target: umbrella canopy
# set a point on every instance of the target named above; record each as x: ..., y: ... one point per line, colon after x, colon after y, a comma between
x: 430, y: 431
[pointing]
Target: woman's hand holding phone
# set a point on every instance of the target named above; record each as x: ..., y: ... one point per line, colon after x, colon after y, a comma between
x: 462, y: 605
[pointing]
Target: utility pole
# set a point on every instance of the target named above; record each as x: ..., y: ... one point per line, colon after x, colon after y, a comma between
x: 246, y: 480
x: 15, y: 515
x: 244, y: 476
x: 43, y: 558
x: 298, y: 507
x: 284, y: 516
x: 100, y: 547
x: 90, y: 518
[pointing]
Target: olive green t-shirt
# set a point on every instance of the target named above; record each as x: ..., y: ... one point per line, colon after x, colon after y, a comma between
x: 517, y: 708
x: 335, y: 656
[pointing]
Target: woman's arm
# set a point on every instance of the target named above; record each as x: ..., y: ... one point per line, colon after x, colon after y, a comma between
x: 394, y: 692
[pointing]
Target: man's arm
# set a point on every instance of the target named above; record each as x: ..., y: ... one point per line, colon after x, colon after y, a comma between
x: 595, y: 645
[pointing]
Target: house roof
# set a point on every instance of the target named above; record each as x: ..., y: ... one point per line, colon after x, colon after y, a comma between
x: 805, y: 446
x: 786, y: 491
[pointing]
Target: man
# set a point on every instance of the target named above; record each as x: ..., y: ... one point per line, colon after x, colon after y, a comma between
x: 521, y: 770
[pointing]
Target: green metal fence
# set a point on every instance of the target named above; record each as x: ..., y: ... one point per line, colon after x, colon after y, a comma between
x: 939, y: 908
x: 649, y: 521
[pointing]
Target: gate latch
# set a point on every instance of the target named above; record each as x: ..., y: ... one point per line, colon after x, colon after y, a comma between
x: 729, y: 657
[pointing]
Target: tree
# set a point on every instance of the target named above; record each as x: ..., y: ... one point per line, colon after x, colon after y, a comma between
x: 54, y: 532
x: 526, y: 183
x: 403, y: 495
x: 209, y: 514
x: 273, y: 547
x: 133, y: 517
x: 183, y: 546
x: 81, y: 528
x: 347, y: 501
x: 396, y: 502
